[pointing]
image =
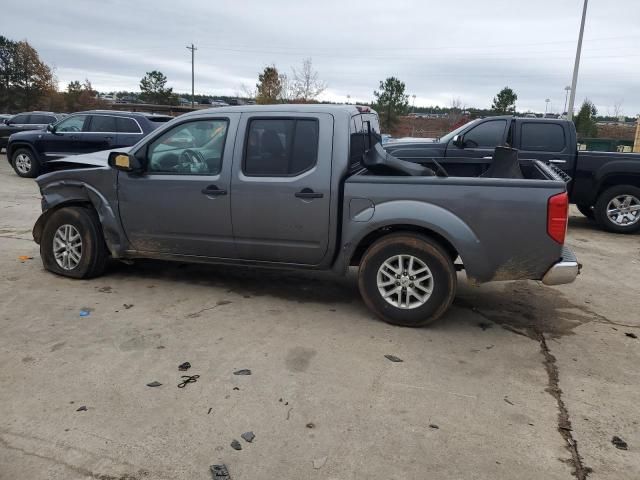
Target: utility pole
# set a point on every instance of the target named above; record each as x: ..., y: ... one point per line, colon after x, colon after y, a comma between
x: 567, y: 89
x: 574, y: 81
x: 193, y: 49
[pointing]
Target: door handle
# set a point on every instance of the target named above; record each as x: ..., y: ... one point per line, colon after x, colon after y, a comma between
x: 308, y: 193
x: 213, y: 190
x: 487, y: 158
x: 556, y: 160
x: 108, y: 138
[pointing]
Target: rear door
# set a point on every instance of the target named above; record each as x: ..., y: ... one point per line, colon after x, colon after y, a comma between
x: 101, y: 134
x: 546, y: 141
x: 281, y: 187
x: 129, y: 132
x: 181, y: 204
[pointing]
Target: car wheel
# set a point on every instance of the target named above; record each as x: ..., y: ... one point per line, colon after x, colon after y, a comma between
x: 72, y: 243
x: 618, y: 209
x: 25, y: 163
x: 586, y: 210
x: 407, y: 279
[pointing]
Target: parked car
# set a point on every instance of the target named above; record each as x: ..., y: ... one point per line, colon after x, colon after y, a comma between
x: 83, y: 132
x: 604, y: 185
x: 307, y: 186
x: 25, y: 121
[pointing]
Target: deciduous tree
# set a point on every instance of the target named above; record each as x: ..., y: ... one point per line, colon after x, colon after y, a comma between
x: 307, y: 85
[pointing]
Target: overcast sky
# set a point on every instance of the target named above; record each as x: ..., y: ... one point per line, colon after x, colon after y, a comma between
x: 467, y: 49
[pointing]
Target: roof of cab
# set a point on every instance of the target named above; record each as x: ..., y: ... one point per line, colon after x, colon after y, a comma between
x: 287, y: 107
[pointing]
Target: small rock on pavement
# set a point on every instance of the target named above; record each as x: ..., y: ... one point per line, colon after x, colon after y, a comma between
x: 244, y: 371
x: 393, y: 358
x: 82, y: 409
x: 220, y: 472
x: 434, y: 426
x: 183, y: 367
x: 619, y: 443
x: 154, y: 384
x: 631, y: 335
x: 319, y: 462
x: 248, y: 436
x: 236, y: 445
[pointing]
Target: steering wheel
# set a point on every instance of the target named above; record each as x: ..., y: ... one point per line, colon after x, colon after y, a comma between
x: 195, y: 158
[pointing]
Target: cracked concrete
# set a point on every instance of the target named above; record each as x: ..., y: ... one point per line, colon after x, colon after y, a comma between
x: 558, y: 355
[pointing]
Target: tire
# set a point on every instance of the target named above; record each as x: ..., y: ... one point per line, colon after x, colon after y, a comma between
x: 25, y: 163
x: 93, y: 254
x: 442, y: 283
x: 628, y: 217
x: 586, y: 210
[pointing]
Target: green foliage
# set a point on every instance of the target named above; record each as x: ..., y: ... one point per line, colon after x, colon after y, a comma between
x: 585, y: 120
x: 25, y: 81
x: 390, y: 102
x: 154, y: 90
x: 269, y: 86
x: 505, y: 102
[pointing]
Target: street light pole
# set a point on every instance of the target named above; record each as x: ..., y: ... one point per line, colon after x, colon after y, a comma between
x: 193, y: 49
x: 567, y: 89
x: 546, y: 106
x: 576, y: 65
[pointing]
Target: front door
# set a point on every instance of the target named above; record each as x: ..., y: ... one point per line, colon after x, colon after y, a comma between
x: 67, y: 139
x: 479, y: 145
x: 281, y: 188
x: 181, y: 203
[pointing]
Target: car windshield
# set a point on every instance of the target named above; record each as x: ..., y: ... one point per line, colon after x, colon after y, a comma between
x: 447, y: 137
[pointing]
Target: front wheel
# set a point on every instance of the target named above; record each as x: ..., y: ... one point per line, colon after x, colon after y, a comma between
x: 618, y: 209
x: 407, y: 279
x: 72, y: 243
x: 25, y: 163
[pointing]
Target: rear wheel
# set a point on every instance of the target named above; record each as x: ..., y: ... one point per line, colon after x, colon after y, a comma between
x: 407, y: 279
x: 586, y: 210
x: 72, y: 243
x: 618, y: 209
x: 25, y: 163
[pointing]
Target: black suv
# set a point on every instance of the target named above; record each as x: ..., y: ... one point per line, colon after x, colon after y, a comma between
x: 25, y: 121
x: 82, y: 132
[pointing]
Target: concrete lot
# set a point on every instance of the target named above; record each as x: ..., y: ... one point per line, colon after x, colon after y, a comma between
x: 515, y: 376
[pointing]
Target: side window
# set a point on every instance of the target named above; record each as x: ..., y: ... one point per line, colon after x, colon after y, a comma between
x: 486, y: 135
x: 542, y: 137
x: 127, y: 125
x: 39, y: 120
x: 193, y: 148
x: 71, y: 124
x: 103, y: 123
x: 20, y: 119
x: 281, y: 147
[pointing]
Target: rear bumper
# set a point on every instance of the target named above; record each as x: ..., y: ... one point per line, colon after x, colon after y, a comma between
x: 564, y: 271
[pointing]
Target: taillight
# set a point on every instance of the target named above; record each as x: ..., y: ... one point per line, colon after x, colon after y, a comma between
x: 557, y: 216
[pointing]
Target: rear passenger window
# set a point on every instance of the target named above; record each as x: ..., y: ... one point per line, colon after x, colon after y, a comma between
x: 103, y: 123
x: 20, y: 119
x: 41, y: 119
x: 127, y: 125
x: 542, y: 137
x: 486, y: 135
x: 281, y: 147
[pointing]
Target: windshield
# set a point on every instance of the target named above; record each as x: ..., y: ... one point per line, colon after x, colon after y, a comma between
x: 446, y: 138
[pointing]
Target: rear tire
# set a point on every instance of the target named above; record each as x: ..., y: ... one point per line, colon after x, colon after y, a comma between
x: 586, y: 210
x: 618, y: 209
x: 424, y: 285
x: 25, y: 163
x: 72, y: 244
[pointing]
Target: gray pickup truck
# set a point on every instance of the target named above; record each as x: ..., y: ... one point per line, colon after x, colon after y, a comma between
x: 307, y: 186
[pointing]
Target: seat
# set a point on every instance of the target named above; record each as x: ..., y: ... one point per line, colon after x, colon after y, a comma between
x: 505, y: 164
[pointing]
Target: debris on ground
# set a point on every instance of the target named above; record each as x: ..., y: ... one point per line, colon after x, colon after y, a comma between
x: 186, y: 379
x: 508, y: 401
x: 631, y: 335
x: 619, y: 443
x: 82, y: 409
x: 244, y: 371
x: 210, y: 408
x: 220, y: 472
x: 24, y: 258
x: 310, y: 425
x: 127, y: 306
x: 434, y: 426
x: 85, y: 312
x: 236, y: 388
x: 248, y: 436
x: 154, y: 384
x: 319, y: 462
x: 183, y: 367
x: 484, y: 326
x: 393, y: 358
x: 236, y: 445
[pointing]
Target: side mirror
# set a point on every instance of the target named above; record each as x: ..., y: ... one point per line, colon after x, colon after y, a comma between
x: 7, y: 121
x: 51, y: 128
x: 124, y: 162
x: 458, y: 141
